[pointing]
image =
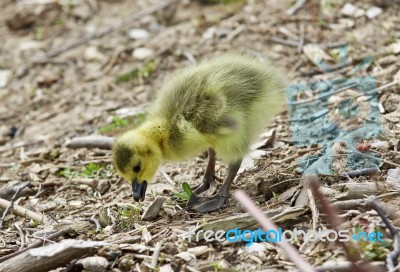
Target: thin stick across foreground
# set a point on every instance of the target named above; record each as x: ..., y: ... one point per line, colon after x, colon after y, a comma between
x: 267, y: 224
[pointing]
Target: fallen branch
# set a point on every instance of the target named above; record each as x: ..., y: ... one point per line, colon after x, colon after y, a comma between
x: 21, y: 211
x: 35, y: 245
x: 95, y: 141
x: 353, y: 190
x: 49, y: 257
x: 102, y: 33
x: 267, y: 224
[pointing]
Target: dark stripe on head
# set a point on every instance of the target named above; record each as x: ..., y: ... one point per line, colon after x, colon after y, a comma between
x: 122, y: 156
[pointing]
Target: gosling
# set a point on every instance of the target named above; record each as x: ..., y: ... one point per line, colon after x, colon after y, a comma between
x: 221, y: 105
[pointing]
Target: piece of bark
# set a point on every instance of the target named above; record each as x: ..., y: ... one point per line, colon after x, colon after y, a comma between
x: 80, y: 227
x: 152, y: 211
x: 50, y: 257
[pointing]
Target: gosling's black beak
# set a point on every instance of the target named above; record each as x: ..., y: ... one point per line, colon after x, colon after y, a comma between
x: 139, y: 190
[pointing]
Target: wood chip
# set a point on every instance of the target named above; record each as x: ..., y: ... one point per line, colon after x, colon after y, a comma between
x: 152, y: 211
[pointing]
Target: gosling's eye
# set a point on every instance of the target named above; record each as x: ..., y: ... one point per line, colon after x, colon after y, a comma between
x: 136, y: 168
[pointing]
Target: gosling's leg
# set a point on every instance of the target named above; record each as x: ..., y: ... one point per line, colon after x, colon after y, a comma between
x: 208, y: 179
x: 217, y: 201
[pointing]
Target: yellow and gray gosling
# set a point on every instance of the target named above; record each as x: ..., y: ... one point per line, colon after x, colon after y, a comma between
x: 221, y: 105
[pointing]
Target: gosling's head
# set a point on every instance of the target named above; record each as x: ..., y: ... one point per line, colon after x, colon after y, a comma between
x: 136, y: 158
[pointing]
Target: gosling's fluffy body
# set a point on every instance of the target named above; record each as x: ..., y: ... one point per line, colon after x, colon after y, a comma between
x: 222, y: 103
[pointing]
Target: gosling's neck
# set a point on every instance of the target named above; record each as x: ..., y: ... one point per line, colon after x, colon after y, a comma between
x: 156, y: 131
x: 176, y: 141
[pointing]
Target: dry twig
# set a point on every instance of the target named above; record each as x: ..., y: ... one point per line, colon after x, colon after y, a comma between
x: 10, y: 206
x: 391, y: 258
x: 96, y: 223
x: 360, y: 172
x: 293, y: 9
x: 156, y: 255
x: 267, y: 224
x: 334, y: 221
x: 168, y: 178
x: 21, y: 234
x: 301, y: 42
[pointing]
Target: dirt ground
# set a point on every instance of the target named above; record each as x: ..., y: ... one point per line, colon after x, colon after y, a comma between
x: 51, y: 92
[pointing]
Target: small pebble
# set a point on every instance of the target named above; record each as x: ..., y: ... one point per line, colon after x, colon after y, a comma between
x: 138, y: 34
x: 372, y: 12
x: 349, y: 10
x: 5, y: 76
x: 103, y: 186
x: 94, y: 264
x: 30, y: 45
x: 255, y: 247
x: 142, y: 53
x: 92, y: 53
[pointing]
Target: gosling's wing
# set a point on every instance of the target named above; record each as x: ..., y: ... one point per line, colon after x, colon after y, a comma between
x: 245, y: 80
x: 219, y: 94
x: 191, y: 97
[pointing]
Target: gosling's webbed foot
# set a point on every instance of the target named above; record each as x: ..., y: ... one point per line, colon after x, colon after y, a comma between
x: 216, y: 201
x: 208, y: 185
x: 206, y: 204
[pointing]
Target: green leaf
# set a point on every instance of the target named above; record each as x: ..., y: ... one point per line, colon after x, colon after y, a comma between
x: 186, y: 188
x: 183, y: 196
